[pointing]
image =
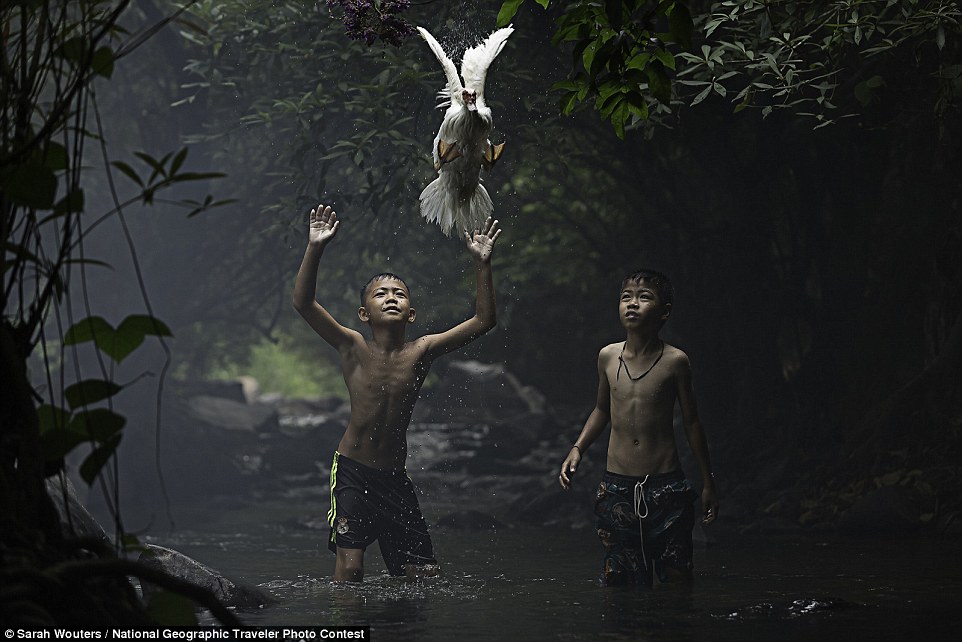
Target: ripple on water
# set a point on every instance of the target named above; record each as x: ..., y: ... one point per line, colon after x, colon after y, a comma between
x: 793, y: 609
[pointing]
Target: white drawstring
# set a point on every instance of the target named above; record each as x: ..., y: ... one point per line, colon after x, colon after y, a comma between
x: 639, y: 501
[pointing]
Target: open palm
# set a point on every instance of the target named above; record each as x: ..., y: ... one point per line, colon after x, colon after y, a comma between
x: 481, y: 243
x: 323, y: 225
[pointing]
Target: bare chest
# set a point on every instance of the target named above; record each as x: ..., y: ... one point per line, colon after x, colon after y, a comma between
x: 633, y: 394
x: 387, y: 375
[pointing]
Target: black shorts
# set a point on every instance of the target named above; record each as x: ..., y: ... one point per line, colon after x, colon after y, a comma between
x: 645, y: 526
x: 368, y: 504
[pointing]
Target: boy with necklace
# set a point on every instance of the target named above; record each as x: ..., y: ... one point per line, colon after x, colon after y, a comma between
x: 372, y: 498
x: 644, y: 506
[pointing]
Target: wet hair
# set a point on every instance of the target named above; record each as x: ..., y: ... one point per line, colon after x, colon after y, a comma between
x: 659, y: 282
x: 380, y: 277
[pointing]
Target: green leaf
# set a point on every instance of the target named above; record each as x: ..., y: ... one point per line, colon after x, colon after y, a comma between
x: 120, y: 342
x: 144, y: 324
x: 702, y: 95
x: 56, y: 156
x: 55, y: 444
x: 196, y: 176
x: 588, y: 55
x: 32, y: 186
x: 665, y: 57
x: 129, y: 171
x: 72, y: 203
x: 88, y: 329
x: 79, y: 261
x: 170, y: 609
x: 658, y: 82
x: 680, y: 25
x: 178, y: 160
x: 568, y: 85
x: 508, y: 10
x: 74, y: 49
x: 157, y: 165
x: 102, y: 62
x: 618, y: 118
x: 613, y: 103
x: 52, y: 418
x: 639, y: 61
x: 90, y: 391
x: 96, y: 460
x: 21, y: 253
x: 98, y: 424
x: 637, y: 105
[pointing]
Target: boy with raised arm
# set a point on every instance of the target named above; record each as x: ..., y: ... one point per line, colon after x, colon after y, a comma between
x: 372, y: 498
x: 644, y: 505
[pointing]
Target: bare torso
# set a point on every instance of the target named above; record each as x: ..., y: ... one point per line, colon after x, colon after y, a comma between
x: 642, y: 438
x: 384, y: 386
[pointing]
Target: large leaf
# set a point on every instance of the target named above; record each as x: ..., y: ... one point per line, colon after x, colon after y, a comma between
x: 680, y: 25
x: 90, y: 391
x: 52, y: 418
x: 98, y: 424
x: 33, y: 186
x: 508, y: 9
x: 659, y: 82
x: 96, y: 460
x: 88, y: 329
x: 55, y: 444
x: 120, y: 342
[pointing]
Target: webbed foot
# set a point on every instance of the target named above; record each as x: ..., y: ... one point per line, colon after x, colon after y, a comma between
x: 447, y: 152
x: 492, y: 154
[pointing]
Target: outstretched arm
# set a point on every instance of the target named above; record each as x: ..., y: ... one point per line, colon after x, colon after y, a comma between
x: 697, y: 440
x: 480, y: 246
x: 594, y: 426
x: 322, y: 228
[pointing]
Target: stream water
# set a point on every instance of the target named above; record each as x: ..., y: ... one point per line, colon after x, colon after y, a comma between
x: 540, y: 584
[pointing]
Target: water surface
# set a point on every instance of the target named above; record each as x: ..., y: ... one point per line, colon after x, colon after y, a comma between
x: 540, y: 584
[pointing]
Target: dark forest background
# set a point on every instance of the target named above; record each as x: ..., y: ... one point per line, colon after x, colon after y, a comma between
x: 812, y: 234
x: 816, y: 267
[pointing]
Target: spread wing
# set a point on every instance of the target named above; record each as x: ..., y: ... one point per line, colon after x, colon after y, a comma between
x: 474, y: 65
x: 452, y: 90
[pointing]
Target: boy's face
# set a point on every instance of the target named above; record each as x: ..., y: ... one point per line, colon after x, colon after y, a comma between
x: 386, y: 301
x: 640, y: 306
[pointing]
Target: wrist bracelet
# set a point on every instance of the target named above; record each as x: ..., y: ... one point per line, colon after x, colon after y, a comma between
x: 578, y: 447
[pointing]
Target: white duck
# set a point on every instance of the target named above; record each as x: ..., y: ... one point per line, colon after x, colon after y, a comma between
x: 456, y: 197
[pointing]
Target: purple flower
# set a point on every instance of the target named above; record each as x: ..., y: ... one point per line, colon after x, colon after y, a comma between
x: 369, y: 20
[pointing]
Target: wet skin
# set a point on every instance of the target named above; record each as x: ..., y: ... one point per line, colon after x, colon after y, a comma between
x: 641, y: 406
x: 384, y: 373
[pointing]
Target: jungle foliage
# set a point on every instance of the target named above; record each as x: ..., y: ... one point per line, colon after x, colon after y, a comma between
x: 783, y: 234
x: 822, y: 60
x: 786, y: 240
x: 53, y: 54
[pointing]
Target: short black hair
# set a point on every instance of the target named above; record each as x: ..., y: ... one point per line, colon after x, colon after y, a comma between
x: 659, y: 282
x: 378, y: 277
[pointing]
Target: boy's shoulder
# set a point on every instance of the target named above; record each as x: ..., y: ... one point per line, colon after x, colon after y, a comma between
x: 611, y: 351
x: 675, y: 357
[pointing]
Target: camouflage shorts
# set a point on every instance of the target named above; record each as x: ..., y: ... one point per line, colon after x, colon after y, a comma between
x: 634, y: 552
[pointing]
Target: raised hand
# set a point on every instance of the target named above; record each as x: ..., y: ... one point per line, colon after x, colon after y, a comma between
x: 481, y: 243
x: 323, y: 225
